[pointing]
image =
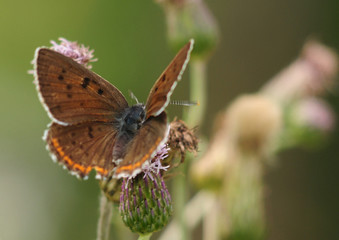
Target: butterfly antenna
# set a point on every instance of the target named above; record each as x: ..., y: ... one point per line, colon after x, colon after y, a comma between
x: 133, y: 96
x: 185, y: 103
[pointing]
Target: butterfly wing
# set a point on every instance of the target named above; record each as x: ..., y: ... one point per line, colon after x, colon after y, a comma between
x: 161, y: 91
x: 73, y: 94
x: 83, y: 147
x: 143, y: 147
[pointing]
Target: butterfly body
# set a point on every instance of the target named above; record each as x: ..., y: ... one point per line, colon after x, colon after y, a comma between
x: 93, y: 127
x: 131, y: 119
x: 127, y: 125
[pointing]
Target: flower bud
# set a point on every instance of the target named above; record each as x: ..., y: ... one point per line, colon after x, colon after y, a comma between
x: 253, y: 124
x: 188, y: 19
x: 145, y: 203
x: 308, y: 122
x: 111, y: 188
x: 311, y: 74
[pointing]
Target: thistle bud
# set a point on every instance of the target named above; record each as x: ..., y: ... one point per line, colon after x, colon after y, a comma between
x: 145, y: 203
x: 188, y: 19
x: 111, y: 188
x: 308, y: 123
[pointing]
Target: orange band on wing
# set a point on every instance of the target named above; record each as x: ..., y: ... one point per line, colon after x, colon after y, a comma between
x: 75, y: 166
x: 141, y: 161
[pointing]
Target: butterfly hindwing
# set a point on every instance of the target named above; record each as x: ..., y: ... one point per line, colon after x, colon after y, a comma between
x: 73, y: 94
x: 83, y: 147
x: 142, y: 148
x: 161, y: 91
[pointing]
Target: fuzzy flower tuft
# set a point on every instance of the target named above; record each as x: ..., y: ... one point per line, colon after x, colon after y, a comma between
x: 156, y: 166
x: 79, y: 53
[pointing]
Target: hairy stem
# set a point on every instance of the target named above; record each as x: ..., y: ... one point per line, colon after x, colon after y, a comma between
x: 104, y: 222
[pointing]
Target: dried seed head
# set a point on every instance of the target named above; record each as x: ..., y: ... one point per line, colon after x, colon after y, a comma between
x: 182, y: 139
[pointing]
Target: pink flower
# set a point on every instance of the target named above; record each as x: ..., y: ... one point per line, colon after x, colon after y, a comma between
x: 79, y: 53
x: 315, y: 113
x: 312, y: 74
x: 155, y: 166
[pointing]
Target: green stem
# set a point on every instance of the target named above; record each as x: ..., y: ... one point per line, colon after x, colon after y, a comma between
x: 198, y: 92
x: 145, y: 237
x: 179, y: 194
x: 194, y: 117
x: 243, y: 195
x: 104, y: 222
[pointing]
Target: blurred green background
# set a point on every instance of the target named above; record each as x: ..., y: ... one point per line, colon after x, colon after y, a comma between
x: 40, y: 200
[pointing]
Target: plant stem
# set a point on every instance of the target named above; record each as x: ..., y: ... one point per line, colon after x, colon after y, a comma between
x: 198, y: 92
x: 145, y: 237
x: 104, y: 222
x: 193, y: 118
x: 195, y: 210
x: 179, y: 193
x: 243, y: 195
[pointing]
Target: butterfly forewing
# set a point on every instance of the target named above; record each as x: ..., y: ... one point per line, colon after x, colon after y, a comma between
x: 161, y: 91
x: 150, y: 137
x: 73, y: 94
x: 83, y: 147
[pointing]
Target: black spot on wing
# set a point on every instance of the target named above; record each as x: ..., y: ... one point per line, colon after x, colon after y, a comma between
x: 60, y: 77
x: 90, y: 134
x: 85, y: 82
x: 163, y: 78
x: 100, y: 91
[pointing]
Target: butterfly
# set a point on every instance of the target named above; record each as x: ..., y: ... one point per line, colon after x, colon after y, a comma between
x: 93, y: 127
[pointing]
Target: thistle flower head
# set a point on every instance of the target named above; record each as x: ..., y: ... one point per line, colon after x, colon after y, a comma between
x: 145, y: 205
x: 79, y: 53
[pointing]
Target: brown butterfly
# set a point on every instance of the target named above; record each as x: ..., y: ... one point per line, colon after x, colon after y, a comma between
x: 92, y: 125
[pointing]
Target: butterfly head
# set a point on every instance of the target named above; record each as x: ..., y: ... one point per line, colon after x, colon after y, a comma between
x: 132, y: 118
